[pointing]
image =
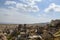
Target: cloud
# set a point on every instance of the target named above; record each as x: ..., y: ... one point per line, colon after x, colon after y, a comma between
x: 29, y: 6
x: 32, y: 2
x: 10, y: 2
x: 13, y: 16
x: 53, y: 7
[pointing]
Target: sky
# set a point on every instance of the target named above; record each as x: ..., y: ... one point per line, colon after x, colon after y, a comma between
x: 29, y: 11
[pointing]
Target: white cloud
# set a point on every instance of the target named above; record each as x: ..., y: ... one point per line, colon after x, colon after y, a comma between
x: 35, y: 8
x: 32, y: 2
x: 13, y: 16
x: 53, y: 7
x: 27, y: 8
x: 57, y: 9
x: 30, y: 5
x: 10, y: 2
x: 21, y: 6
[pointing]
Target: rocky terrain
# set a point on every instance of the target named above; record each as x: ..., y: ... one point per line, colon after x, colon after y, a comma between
x: 37, y: 31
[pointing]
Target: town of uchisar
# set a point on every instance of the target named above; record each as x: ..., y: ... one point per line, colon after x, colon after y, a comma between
x: 37, y: 31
